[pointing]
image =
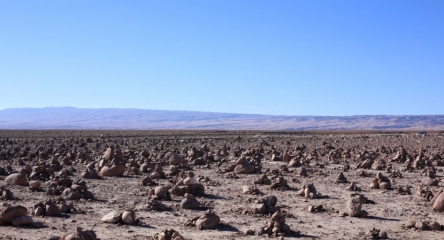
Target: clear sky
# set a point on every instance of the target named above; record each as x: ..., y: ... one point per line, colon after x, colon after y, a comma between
x: 294, y: 57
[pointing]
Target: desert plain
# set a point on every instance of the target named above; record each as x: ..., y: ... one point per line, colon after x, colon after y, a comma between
x: 58, y: 184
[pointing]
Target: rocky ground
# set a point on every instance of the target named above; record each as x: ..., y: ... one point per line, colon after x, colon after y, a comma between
x: 220, y: 185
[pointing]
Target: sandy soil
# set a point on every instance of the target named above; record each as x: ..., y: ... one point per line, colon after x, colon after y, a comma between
x: 389, y: 211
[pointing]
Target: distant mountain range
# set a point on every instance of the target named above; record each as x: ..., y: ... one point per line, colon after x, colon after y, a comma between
x: 140, y: 119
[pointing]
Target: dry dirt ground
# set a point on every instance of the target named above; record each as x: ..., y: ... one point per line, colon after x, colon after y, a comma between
x: 323, y: 154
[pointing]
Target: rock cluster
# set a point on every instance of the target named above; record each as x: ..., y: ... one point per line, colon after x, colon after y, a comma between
x: 168, y: 234
x: 376, y: 234
x: 159, y: 193
x: 54, y: 207
x: 6, y: 194
x: 265, y: 205
x: 15, y: 215
x: 263, y: 179
x: 207, y: 221
x: 124, y: 217
x: 79, y: 234
x: 308, y: 191
x: 381, y: 182
x: 276, y: 226
x: 77, y: 191
x: 279, y: 183
x: 353, y: 187
x: 423, y: 225
x: 196, y: 189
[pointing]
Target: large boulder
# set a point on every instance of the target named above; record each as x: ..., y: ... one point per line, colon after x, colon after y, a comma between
x: 208, y: 221
x: 22, y: 220
x: 69, y: 194
x: 9, y: 213
x: 16, y: 179
x: 197, y: 189
x: 244, y: 167
x: 366, y: 164
x: 115, y: 170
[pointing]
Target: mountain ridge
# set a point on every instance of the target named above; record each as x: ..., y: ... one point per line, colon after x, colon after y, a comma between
x: 145, y: 119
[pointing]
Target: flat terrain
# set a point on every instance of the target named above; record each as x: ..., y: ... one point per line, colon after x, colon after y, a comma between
x: 323, y: 154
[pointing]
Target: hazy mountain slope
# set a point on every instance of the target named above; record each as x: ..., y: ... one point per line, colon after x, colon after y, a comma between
x: 108, y: 118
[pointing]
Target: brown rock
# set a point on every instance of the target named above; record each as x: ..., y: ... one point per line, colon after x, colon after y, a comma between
x: 434, y: 226
x: 420, y: 225
x: 385, y: 186
x: 35, y: 184
x: 23, y: 220
x: 197, y: 189
x: 115, y: 170
x: 87, y: 195
x: 244, y: 167
x: 160, y: 191
x: 174, y: 159
x: 189, y: 203
x: 410, y: 224
x: 438, y: 205
x: 76, y: 187
x: 208, y: 221
x: 39, y: 211
x: 109, y: 154
x: 69, y: 194
x: 129, y: 217
x: 354, y: 207
x: 259, y: 208
x: 112, y: 217
x: 51, y: 209
x: 16, y: 179
x: 432, y: 201
x: 9, y: 213
x: 294, y: 163
x: 428, y: 181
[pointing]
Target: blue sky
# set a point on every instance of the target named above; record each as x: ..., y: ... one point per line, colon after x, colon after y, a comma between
x: 295, y: 57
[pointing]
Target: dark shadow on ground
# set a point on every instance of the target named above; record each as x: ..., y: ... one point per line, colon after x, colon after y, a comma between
x: 144, y: 225
x: 212, y: 196
x: 227, y: 228
x: 383, y: 219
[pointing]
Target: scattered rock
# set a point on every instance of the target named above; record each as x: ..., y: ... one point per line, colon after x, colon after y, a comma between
x: 168, y: 234
x: 189, y: 202
x: 17, y: 179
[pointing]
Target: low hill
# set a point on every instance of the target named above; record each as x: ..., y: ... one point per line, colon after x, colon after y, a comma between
x: 140, y: 119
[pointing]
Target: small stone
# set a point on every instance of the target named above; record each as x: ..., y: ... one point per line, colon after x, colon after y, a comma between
x: 129, y: 217
x: 420, y: 225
